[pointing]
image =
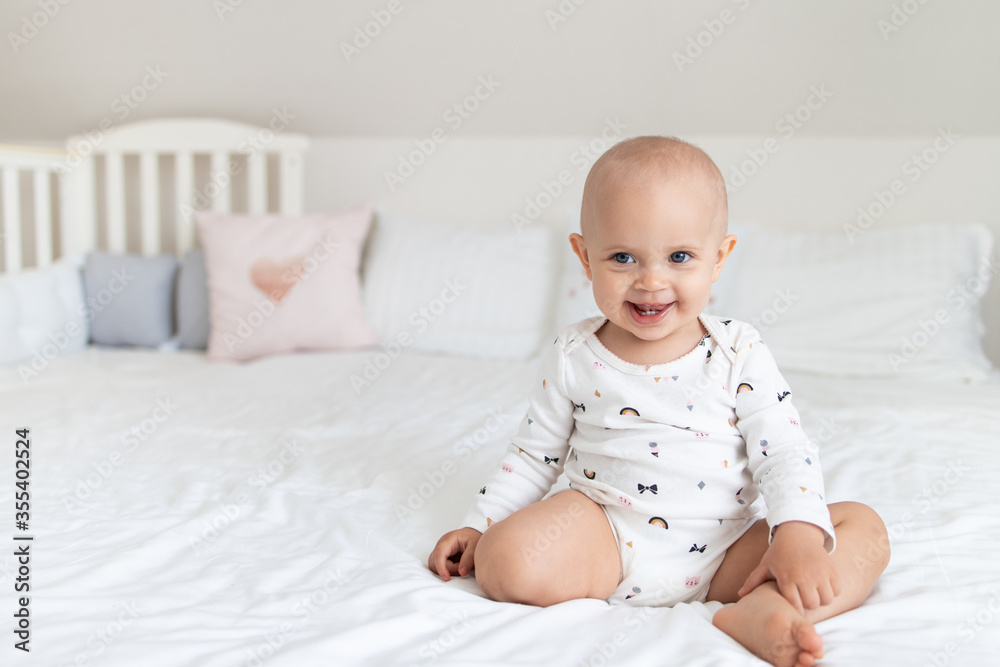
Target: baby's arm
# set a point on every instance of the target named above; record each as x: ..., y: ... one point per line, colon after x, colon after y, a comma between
x: 785, y: 468
x: 536, y: 454
x: 532, y: 463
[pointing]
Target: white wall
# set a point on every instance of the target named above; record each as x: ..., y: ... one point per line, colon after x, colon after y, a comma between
x: 871, y: 82
x: 563, y: 65
x: 808, y: 183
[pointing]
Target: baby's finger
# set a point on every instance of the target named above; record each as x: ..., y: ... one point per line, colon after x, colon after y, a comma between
x: 439, y: 566
x: 826, y: 594
x: 755, y: 579
x: 441, y: 557
x: 835, y: 583
x: 791, y: 593
x: 467, y: 562
x: 810, y: 596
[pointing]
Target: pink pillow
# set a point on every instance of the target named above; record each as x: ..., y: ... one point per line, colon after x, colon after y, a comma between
x: 278, y: 283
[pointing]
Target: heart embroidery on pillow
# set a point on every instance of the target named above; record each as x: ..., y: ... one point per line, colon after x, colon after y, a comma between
x: 276, y: 279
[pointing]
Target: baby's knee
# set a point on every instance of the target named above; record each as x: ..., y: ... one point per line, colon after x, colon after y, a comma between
x: 504, y: 569
x: 863, y: 516
x: 867, y: 525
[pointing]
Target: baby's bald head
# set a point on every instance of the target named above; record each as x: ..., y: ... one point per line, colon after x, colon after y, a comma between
x: 645, y: 161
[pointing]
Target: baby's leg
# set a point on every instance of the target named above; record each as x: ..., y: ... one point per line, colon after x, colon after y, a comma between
x: 764, y: 621
x: 558, y: 549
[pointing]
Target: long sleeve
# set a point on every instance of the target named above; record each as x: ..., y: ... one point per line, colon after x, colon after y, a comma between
x: 783, y: 462
x: 537, y: 453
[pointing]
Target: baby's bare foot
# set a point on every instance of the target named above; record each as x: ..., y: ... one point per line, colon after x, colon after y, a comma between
x: 769, y: 626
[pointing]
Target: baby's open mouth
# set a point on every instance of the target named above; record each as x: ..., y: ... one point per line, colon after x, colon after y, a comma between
x: 646, y: 313
x: 648, y: 308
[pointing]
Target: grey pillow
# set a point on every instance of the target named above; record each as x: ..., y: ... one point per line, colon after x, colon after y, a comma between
x: 192, y: 301
x: 129, y: 298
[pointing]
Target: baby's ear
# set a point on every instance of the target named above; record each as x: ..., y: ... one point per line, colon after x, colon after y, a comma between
x: 580, y: 249
x: 725, y: 248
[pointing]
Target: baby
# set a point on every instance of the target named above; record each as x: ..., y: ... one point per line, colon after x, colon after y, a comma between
x: 673, y: 428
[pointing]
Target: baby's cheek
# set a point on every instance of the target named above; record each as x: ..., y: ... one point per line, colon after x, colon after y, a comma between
x: 605, y: 302
x: 697, y: 290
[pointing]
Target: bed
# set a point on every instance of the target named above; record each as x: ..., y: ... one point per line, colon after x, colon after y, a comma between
x: 191, y: 511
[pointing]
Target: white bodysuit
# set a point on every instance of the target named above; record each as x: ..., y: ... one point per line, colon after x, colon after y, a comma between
x: 675, y: 453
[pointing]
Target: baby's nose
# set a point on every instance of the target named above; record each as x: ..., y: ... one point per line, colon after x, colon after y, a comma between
x: 652, y: 278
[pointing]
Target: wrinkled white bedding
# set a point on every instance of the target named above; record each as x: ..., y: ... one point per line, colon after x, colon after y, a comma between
x: 267, y: 513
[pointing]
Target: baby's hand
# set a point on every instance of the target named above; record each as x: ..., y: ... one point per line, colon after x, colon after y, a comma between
x: 461, y: 542
x: 799, y: 564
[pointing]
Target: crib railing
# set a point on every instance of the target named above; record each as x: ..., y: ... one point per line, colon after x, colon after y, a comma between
x: 110, y: 190
x: 39, y: 167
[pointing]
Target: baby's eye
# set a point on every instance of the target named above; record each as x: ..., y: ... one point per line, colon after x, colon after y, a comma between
x: 679, y: 257
x: 623, y: 258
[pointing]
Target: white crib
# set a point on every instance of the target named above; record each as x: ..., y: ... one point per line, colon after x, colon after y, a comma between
x: 135, y: 188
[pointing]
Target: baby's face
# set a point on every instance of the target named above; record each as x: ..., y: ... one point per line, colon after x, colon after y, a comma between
x: 653, y: 251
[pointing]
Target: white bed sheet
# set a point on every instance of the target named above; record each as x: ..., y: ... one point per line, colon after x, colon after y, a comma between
x: 311, y: 561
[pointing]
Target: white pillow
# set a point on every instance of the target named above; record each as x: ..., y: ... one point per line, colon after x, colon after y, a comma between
x: 462, y: 290
x: 894, y: 300
x: 42, y: 316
